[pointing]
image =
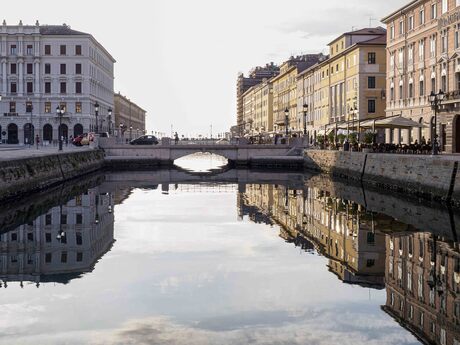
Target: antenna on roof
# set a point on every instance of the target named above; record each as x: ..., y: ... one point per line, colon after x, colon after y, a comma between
x: 371, y: 20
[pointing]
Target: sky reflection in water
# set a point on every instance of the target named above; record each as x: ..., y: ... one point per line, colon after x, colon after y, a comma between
x: 186, y: 270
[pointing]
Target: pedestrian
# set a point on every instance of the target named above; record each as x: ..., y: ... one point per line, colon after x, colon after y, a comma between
x: 37, y: 140
x: 423, y: 140
x: 176, y: 138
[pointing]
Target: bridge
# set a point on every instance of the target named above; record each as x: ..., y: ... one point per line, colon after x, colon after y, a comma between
x: 168, y: 153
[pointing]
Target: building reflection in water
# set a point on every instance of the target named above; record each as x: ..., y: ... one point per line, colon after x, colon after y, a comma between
x: 420, y: 271
x: 61, y: 244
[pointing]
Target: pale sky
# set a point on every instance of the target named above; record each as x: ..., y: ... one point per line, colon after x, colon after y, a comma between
x: 179, y: 59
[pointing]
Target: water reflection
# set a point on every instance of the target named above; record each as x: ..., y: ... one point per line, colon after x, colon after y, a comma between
x: 276, y: 258
x: 61, y: 244
x: 419, y: 270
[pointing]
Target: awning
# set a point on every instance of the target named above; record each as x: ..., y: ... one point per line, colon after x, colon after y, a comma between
x: 392, y: 122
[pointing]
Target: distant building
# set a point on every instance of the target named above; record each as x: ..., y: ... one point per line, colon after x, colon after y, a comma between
x: 258, y: 109
x: 48, y: 66
x: 285, y: 91
x: 129, y: 117
x: 256, y: 76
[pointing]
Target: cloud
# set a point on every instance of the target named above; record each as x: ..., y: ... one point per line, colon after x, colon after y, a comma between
x: 317, y: 329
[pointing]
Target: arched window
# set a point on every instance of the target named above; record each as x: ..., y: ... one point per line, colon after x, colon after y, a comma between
x: 77, y: 130
x: 48, y: 132
x: 13, y: 134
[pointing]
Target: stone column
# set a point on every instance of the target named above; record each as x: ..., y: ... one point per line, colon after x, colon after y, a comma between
x: 21, y: 77
x: 4, y: 79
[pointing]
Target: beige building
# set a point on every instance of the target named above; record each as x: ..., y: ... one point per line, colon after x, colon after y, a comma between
x: 258, y: 109
x: 285, y: 92
x: 128, y: 117
x: 423, y: 47
x: 352, y: 77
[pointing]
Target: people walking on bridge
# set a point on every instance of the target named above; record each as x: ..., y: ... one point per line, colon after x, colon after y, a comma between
x: 176, y: 138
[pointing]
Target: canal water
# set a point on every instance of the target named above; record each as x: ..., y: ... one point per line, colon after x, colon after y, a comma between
x: 240, y: 257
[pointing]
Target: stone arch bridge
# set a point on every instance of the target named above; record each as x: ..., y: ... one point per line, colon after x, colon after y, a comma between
x: 169, y: 153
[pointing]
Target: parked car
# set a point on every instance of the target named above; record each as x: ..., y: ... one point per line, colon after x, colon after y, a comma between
x: 83, y: 139
x: 145, y: 140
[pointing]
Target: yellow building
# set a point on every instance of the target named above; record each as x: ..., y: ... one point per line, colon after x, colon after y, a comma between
x: 285, y: 92
x: 353, y: 77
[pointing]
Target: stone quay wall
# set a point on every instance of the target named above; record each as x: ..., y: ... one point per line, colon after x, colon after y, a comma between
x: 429, y: 177
x: 22, y: 176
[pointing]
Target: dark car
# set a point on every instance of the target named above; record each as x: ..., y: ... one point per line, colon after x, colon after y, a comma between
x: 145, y: 140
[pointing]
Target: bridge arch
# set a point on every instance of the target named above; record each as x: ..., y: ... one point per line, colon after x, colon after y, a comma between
x: 229, y: 154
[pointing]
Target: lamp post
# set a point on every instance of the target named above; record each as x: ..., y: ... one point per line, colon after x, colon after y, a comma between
x: 436, y: 100
x: 305, y: 109
x: 286, y: 121
x: 110, y: 118
x: 96, y: 110
x: 130, y: 132
x: 60, y: 113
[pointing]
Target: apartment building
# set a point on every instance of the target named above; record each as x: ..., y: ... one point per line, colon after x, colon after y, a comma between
x: 258, y: 109
x: 243, y: 84
x: 44, y: 67
x: 285, y: 92
x: 351, y: 77
x: 423, y: 46
x: 129, y: 118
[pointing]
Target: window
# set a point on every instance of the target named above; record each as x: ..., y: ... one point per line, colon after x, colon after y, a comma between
x: 13, y: 49
x: 411, y: 90
x: 457, y: 39
x: 30, y: 68
x: 48, y: 258
x: 371, y: 106
x: 444, y: 6
x: 13, y: 68
x: 370, y: 263
x: 444, y: 83
x: 79, y: 256
x: 30, y: 50
x: 422, y: 88
x: 63, y: 219
x: 63, y: 68
x: 371, y: 58
x: 411, y: 23
x: 78, y: 218
x: 421, y: 50
x: 444, y: 43
x: 64, y: 257
x: 30, y: 237
x: 47, y: 68
x: 30, y: 87
x: 78, y: 107
x: 48, y: 219
x: 78, y: 50
x: 78, y: 239
x: 48, y: 107
x: 63, y: 88
x: 47, y: 87
x: 401, y: 27
x: 63, y: 49
x: 48, y: 237
x: 78, y: 68
x: 392, y: 32
x: 433, y: 46
x: 63, y: 105
x: 433, y: 84
x: 14, y: 237
x: 370, y: 238
x: 433, y: 11
x: 371, y: 82
x: 29, y: 107
x: 78, y: 87
x: 13, y: 88
x: 422, y: 16
x: 47, y: 49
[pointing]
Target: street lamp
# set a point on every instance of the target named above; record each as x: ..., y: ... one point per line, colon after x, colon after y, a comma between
x: 110, y: 118
x: 96, y: 109
x: 130, y: 132
x: 305, y: 109
x: 60, y: 113
x: 286, y: 121
x: 436, y: 100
